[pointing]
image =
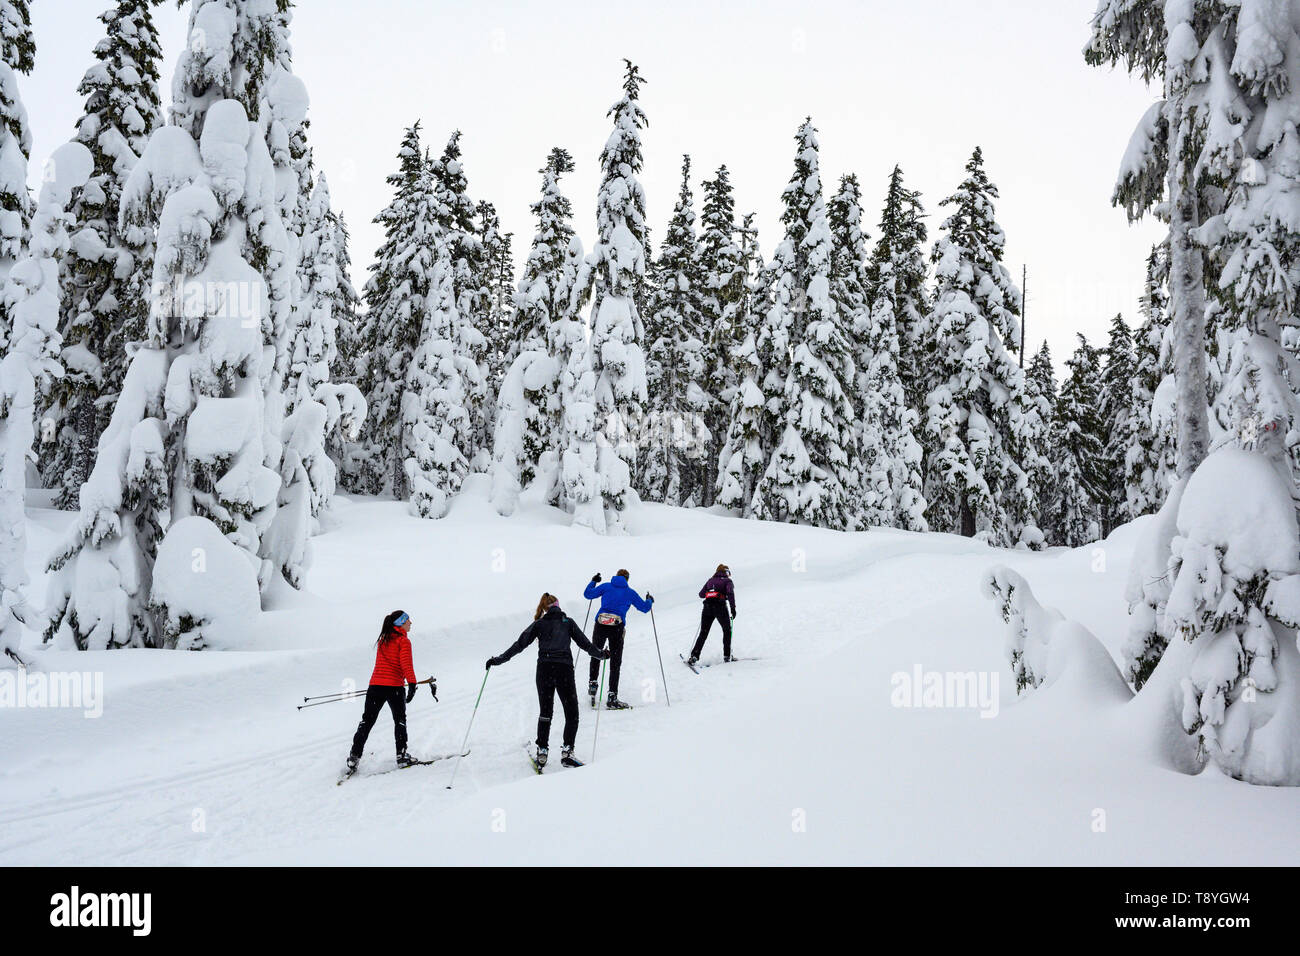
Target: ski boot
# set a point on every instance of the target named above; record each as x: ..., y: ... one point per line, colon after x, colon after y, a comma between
x: 405, y: 760
x: 613, y: 703
x: 692, y: 661
x: 728, y: 658
x: 540, y: 760
x: 567, y: 759
x: 592, y: 691
x: 351, y: 766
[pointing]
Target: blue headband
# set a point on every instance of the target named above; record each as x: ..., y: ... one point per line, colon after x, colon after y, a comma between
x: 401, y: 619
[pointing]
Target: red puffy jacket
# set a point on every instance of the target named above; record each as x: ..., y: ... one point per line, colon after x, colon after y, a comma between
x: 393, y: 664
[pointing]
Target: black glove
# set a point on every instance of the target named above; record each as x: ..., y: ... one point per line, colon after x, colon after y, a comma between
x: 596, y: 578
x: 410, y: 692
x: 601, y: 654
x: 649, y: 599
x: 733, y: 615
x: 493, y: 661
x: 433, y: 688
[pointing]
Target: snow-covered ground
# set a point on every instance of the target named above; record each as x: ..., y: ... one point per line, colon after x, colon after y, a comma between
x: 798, y: 757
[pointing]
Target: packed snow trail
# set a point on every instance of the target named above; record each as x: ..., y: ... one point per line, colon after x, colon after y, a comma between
x: 209, y: 762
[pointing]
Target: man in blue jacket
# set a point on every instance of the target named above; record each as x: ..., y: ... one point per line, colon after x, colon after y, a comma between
x: 615, y: 599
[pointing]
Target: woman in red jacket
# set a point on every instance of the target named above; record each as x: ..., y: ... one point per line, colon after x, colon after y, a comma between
x: 393, y: 669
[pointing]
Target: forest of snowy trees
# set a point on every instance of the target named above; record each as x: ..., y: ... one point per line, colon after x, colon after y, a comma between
x: 188, y: 365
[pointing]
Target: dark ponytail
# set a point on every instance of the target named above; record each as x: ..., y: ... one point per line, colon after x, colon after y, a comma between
x: 389, y: 630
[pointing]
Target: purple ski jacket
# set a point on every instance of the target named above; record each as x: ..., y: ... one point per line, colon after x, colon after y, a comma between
x: 720, y: 584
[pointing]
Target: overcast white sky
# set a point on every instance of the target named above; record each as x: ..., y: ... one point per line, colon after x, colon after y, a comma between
x: 918, y: 83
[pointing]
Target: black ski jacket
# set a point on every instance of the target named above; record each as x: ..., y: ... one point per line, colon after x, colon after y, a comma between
x: 552, y: 631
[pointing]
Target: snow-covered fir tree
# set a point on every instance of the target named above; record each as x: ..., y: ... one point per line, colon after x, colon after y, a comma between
x: 193, y: 448
x: 103, y: 308
x: 1040, y: 401
x: 749, y: 436
x: 722, y: 293
x: 472, y: 280
x: 674, y: 468
x: 499, y: 272
x: 617, y: 269
x: 314, y: 348
x: 528, y: 438
x: 391, y: 327
x: 900, y: 251
x: 893, y: 490
x: 976, y: 407
x: 1150, y: 461
x: 319, y: 412
x: 1117, y: 428
x: 436, y: 428
x: 1078, y: 458
x: 811, y: 477
x: 875, y: 400
x: 31, y: 359
x: 849, y: 283
x: 17, y: 55
x: 1216, y: 596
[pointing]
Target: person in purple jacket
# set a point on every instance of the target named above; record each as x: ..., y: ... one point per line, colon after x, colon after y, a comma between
x: 616, y: 597
x: 718, y: 592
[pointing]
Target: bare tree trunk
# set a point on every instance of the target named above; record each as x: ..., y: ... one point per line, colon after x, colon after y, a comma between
x: 1187, y: 310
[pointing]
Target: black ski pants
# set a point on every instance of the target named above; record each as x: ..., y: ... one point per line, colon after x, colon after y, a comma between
x: 556, y: 677
x: 377, y: 696
x: 613, y: 635
x: 715, y: 609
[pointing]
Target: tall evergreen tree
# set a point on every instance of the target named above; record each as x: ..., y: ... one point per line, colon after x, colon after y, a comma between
x: 893, y: 479
x: 1150, y: 459
x: 900, y: 252
x: 673, y: 469
x: 101, y: 310
x: 976, y: 406
x: 618, y: 267
x: 1117, y: 427
x: 195, y: 437
x: 394, y: 294
x: 723, y: 291
x: 529, y: 435
x: 1079, y: 461
x: 457, y: 217
x: 810, y: 477
x: 1041, y: 400
x: 749, y: 437
x: 437, y: 430
x: 498, y: 269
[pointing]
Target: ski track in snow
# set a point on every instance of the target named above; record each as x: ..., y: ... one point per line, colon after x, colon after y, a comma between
x: 210, y: 763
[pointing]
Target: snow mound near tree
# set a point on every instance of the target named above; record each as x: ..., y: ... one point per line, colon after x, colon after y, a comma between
x: 206, y: 586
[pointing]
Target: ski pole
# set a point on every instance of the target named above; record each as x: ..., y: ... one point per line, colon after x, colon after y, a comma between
x: 660, y: 656
x: 461, y: 756
x: 600, y: 706
x: 337, y: 693
x: 347, y: 694
x: 578, y: 656
x: 335, y: 700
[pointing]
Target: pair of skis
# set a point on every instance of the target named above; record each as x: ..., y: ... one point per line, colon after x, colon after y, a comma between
x: 697, y: 666
x: 349, y: 774
x: 530, y: 749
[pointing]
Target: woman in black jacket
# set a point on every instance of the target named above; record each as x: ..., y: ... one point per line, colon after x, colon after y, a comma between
x: 553, y: 630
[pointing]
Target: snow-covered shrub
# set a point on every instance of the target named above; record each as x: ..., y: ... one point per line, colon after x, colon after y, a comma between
x: 1235, y: 597
x: 1047, y: 649
x: 1030, y: 626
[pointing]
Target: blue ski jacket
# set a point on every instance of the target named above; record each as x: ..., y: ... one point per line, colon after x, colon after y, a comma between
x: 616, y: 596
